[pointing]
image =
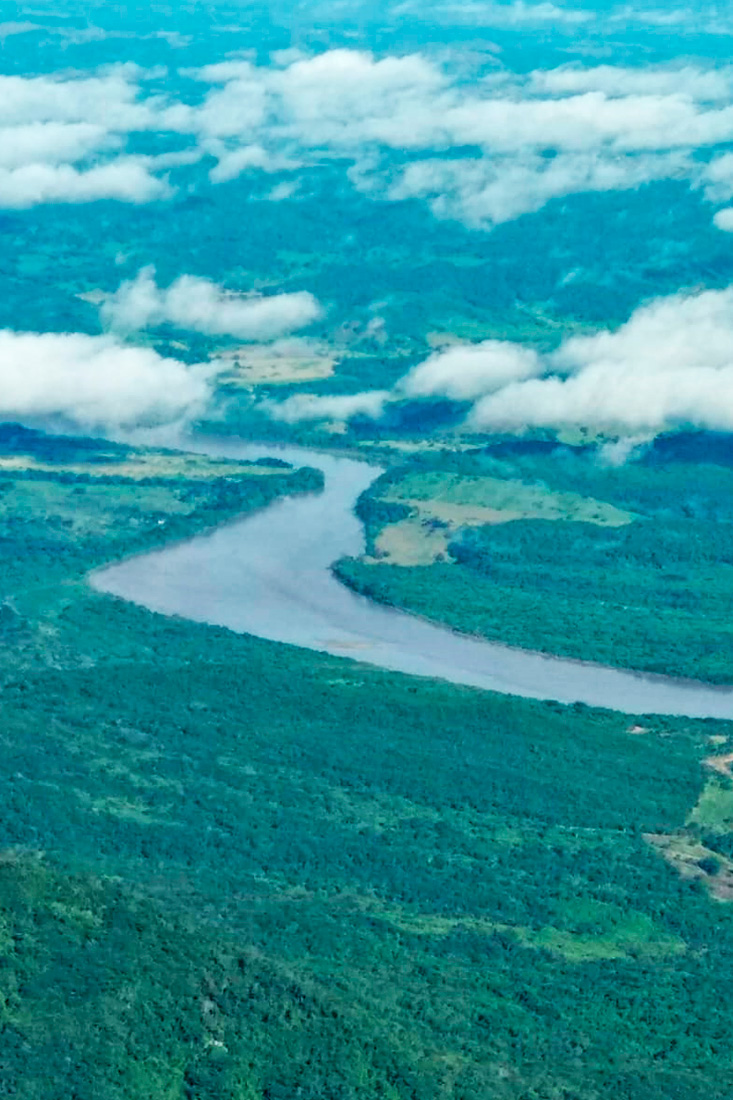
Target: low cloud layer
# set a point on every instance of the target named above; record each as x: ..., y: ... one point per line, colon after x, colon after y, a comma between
x: 200, y: 305
x: 339, y: 407
x: 517, y: 14
x: 531, y: 14
x: 483, y: 150
x: 125, y: 179
x: 530, y: 138
x: 63, y: 136
x: 10, y: 29
x: 466, y: 372
x: 485, y: 192
x: 670, y: 366
x: 95, y: 382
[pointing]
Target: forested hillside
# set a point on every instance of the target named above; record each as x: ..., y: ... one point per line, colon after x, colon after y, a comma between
x: 379, y: 887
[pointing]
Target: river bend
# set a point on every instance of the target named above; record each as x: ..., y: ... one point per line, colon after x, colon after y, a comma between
x: 269, y: 575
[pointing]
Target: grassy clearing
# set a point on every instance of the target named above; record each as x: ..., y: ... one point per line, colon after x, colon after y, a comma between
x: 696, y: 862
x: 425, y: 537
x: 415, y: 541
x: 510, y: 499
x: 102, y: 503
x: 445, y: 503
x: 715, y: 807
x: 528, y: 325
x: 588, y: 929
x: 605, y: 932
x: 723, y: 765
x: 140, y: 466
x: 248, y: 366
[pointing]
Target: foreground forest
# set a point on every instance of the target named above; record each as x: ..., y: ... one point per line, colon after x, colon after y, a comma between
x: 232, y: 870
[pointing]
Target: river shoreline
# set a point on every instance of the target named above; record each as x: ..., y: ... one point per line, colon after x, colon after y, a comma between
x: 270, y: 574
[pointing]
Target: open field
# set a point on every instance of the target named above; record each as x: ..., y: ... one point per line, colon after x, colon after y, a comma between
x: 414, y: 541
x: 511, y: 498
x: 443, y: 504
x: 141, y: 465
x: 695, y: 862
x: 714, y: 807
x: 253, y: 366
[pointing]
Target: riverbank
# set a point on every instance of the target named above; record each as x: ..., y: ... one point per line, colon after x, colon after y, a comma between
x: 270, y: 575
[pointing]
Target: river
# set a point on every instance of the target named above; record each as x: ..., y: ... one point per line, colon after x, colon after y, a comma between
x: 269, y: 575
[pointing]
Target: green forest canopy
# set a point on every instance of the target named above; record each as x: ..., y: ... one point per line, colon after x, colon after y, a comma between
x: 382, y: 886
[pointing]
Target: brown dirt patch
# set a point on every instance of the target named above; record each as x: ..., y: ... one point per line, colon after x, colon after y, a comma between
x: 413, y: 542
x: 685, y: 854
x: 723, y: 765
x: 254, y: 367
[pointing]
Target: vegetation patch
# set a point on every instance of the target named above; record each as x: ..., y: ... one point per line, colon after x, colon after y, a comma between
x: 584, y: 931
x: 715, y: 805
x: 145, y: 465
x: 103, y: 993
x: 253, y: 366
x: 443, y: 504
x: 419, y: 540
x: 629, y: 566
x: 510, y: 498
x: 696, y: 862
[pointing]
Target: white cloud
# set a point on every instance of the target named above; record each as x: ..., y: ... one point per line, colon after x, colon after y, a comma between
x: 239, y: 108
x: 49, y: 142
x: 589, y: 121
x: 339, y: 407
x: 489, y: 191
x: 703, y: 20
x: 469, y: 371
x: 338, y: 99
x: 724, y: 219
x: 284, y: 190
x: 95, y: 382
x: 617, y: 452
x: 515, y: 14
x: 482, y: 151
x: 520, y: 15
x: 717, y: 178
x: 109, y: 99
x: 10, y: 29
x: 529, y: 138
x: 669, y: 366
x: 325, y: 96
x: 200, y: 305
x: 61, y: 137
x: 462, y: 373
x: 702, y: 85
x: 247, y: 158
x: 126, y: 179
